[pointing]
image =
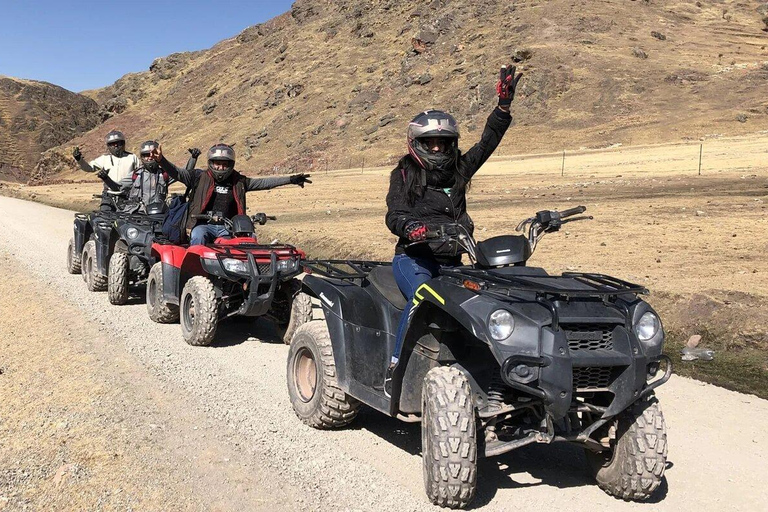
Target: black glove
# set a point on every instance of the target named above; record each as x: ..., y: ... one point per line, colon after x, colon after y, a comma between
x: 194, y: 152
x: 415, y: 231
x: 506, y: 85
x: 77, y: 154
x: 300, y: 179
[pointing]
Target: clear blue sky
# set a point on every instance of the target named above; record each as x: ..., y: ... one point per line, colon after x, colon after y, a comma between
x: 88, y: 44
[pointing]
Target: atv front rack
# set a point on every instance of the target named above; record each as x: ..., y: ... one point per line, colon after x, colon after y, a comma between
x: 599, y: 285
x: 342, y: 269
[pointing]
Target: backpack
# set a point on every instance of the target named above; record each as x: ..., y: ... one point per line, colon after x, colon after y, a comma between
x: 173, y: 225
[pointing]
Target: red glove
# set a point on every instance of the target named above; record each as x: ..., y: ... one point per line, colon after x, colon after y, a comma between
x: 415, y: 231
x: 506, y: 85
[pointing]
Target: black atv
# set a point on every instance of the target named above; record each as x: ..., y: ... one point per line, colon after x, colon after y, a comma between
x: 497, y: 355
x: 82, y: 256
x: 130, y: 245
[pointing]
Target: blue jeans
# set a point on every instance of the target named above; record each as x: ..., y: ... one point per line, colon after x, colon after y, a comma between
x: 410, y: 273
x: 206, y: 234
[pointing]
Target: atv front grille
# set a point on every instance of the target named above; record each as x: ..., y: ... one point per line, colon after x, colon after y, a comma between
x: 264, y: 268
x: 591, y: 378
x: 589, y: 336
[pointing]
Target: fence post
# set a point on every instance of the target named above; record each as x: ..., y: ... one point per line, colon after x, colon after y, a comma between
x: 562, y: 170
x: 701, y: 151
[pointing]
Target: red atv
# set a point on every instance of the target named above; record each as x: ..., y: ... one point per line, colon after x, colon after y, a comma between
x: 204, y: 284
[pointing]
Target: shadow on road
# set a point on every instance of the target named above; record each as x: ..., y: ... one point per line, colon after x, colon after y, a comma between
x: 559, y: 465
x: 239, y: 329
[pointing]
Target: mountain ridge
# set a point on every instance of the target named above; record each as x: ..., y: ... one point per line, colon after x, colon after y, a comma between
x: 334, y: 82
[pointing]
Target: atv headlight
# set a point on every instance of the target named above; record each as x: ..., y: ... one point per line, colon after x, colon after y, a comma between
x: 287, y: 265
x: 501, y: 324
x: 132, y: 233
x: 233, y: 265
x: 648, y: 326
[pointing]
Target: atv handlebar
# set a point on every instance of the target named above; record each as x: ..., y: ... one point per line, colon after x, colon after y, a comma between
x: 572, y: 211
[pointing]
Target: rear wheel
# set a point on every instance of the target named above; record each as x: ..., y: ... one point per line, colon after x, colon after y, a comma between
x: 95, y: 281
x: 159, y: 311
x: 73, y: 258
x: 299, y: 309
x: 117, y: 288
x: 312, y: 385
x: 634, y: 467
x: 448, y: 438
x: 199, y: 311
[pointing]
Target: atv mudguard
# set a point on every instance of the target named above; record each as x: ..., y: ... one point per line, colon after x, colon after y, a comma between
x: 171, y: 258
x: 362, y: 326
x: 105, y: 235
x: 83, y: 230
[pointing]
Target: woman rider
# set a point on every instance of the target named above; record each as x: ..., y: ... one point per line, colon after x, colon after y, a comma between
x: 428, y: 188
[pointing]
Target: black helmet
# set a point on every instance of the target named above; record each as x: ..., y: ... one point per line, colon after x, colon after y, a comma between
x: 146, y: 149
x: 221, y: 153
x: 430, y: 124
x: 115, y: 141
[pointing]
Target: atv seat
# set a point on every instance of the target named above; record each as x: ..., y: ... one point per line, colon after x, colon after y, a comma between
x: 383, y: 280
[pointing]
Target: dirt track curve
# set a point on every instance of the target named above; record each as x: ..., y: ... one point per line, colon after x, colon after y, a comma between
x: 253, y: 452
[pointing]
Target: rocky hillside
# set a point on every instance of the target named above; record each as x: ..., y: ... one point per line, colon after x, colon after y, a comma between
x: 35, y: 116
x: 333, y: 82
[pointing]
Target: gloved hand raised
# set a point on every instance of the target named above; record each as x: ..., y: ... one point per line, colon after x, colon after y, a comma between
x: 300, y: 179
x: 415, y: 231
x: 194, y: 152
x: 77, y: 154
x: 506, y: 85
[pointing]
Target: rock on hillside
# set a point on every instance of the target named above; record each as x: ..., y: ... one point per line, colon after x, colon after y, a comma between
x: 35, y: 116
x: 333, y: 82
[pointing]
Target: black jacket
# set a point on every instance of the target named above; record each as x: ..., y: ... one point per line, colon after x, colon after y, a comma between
x: 436, y: 206
x: 201, y: 183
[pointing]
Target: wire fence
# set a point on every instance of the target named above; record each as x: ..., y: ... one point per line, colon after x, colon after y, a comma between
x: 748, y: 154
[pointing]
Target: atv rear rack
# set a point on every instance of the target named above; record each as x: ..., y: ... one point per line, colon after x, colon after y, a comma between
x: 336, y: 268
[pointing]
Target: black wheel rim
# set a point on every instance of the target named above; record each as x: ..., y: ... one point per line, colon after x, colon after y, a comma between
x: 305, y: 374
x: 152, y: 290
x: 189, y: 312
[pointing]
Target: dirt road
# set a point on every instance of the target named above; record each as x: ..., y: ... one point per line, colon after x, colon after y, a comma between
x: 82, y: 380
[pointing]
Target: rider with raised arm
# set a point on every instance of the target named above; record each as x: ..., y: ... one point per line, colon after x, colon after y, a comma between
x: 428, y: 188
x: 115, y: 165
x: 148, y: 185
x: 219, y: 191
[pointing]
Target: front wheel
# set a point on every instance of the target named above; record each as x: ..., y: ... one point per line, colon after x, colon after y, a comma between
x: 448, y: 438
x: 312, y: 387
x: 117, y: 287
x: 634, y: 467
x: 199, y: 311
x: 73, y: 258
x: 159, y: 311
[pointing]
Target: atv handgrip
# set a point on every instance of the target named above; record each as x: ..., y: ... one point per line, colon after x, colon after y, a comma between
x: 572, y: 211
x: 201, y: 216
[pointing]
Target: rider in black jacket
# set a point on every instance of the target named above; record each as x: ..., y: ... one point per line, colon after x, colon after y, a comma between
x: 428, y: 188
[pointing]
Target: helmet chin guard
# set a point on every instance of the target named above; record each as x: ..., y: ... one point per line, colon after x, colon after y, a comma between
x: 222, y: 153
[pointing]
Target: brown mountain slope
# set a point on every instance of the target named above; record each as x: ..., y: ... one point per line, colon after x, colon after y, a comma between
x: 336, y: 80
x: 35, y: 116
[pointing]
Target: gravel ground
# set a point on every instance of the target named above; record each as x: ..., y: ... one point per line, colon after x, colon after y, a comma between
x: 716, y: 437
